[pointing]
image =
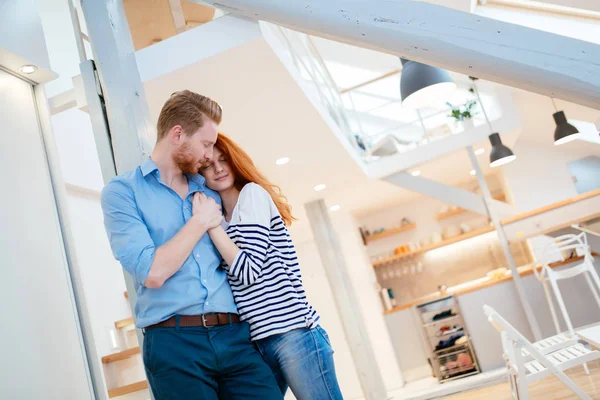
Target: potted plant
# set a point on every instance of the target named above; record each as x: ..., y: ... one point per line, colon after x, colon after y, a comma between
x: 463, y: 114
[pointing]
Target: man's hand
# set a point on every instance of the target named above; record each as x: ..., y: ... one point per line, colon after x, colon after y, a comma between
x: 206, y: 211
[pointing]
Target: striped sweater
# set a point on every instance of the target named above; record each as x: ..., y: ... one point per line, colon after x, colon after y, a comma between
x: 265, y: 275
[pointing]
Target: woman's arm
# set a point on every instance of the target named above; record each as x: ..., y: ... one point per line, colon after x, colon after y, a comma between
x: 245, y: 260
x: 244, y: 263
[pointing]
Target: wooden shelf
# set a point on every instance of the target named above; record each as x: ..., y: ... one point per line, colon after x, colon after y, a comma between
x: 390, y: 232
x: 443, y: 243
x: 122, y: 355
x: 124, y: 322
x: 459, y: 211
x: 134, y: 387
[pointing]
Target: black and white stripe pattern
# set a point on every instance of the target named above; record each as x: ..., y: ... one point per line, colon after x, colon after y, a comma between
x: 265, y: 276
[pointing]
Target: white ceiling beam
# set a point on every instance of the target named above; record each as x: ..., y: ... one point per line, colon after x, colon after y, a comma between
x: 448, y: 194
x: 62, y: 102
x: 175, y: 53
x: 466, y: 43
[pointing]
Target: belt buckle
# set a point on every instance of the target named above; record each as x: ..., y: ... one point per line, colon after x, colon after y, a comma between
x: 204, y: 321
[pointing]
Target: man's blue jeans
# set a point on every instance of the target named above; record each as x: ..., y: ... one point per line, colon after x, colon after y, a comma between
x: 303, y: 360
x: 197, y: 363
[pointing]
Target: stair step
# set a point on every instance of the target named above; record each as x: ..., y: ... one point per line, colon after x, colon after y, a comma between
x: 122, y: 355
x: 124, y: 322
x: 134, y: 387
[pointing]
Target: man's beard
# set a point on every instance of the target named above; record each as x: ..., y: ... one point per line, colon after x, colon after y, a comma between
x: 186, y: 160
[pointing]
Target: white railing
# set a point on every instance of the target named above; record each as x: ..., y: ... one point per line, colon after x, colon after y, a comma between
x: 311, y: 67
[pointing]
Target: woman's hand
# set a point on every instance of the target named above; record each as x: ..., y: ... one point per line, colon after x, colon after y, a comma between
x: 206, y: 211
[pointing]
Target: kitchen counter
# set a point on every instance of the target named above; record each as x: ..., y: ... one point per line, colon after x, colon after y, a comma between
x: 406, y: 333
x: 477, y: 284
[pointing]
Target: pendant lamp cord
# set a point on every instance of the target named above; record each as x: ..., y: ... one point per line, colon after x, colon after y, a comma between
x: 554, y: 102
x: 482, y: 107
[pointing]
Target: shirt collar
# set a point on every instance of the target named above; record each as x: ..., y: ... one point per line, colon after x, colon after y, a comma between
x: 148, y: 167
x: 197, y: 179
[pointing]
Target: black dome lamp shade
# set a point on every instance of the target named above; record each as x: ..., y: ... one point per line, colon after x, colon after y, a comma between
x: 564, y: 132
x: 422, y: 84
x: 500, y: 154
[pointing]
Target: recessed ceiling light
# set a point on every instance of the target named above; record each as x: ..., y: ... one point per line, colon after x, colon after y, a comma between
x: 472, y: 172
x: 28, y: 69
x: 480, y: 151
x: 320, y: 187
x: 335, y: 207
x: 282, y: 161
x: 416, y: 173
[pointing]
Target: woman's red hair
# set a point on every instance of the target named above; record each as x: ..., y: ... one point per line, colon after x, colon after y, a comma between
x: 245, y: 172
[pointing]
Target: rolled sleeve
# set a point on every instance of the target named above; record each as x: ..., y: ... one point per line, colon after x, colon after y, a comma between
x: 128, y: 235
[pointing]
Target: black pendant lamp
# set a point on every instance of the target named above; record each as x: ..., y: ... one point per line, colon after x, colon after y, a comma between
x: 500, y: 154
x: 564, y: 132
x: 422, y: 84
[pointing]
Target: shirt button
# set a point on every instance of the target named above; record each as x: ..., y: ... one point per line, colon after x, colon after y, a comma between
x: 207, y: 303
x: 197, y: 255
x: 203, y: 280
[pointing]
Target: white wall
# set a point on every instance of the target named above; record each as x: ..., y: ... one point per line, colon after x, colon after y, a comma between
x: 540, y: 176
x: 101, y: 274
x: 21, y: 31
x: 75, y: 144
x: 62, y: 48
x: 40, y: 342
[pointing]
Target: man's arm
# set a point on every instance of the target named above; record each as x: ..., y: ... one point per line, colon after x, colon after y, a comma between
x: 134, y: 248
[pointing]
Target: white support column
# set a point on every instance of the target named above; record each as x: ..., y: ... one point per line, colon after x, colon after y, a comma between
x: 487, y: 199
x: 126, y: 105
x: 346, y: 301
x: 95, y: 107
x: 514, y: 55
x: 130, y: 132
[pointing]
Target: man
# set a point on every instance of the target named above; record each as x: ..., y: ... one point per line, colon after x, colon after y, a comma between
x: 195, y: 346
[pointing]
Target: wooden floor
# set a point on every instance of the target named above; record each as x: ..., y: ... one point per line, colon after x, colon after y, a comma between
x: 547, y: 389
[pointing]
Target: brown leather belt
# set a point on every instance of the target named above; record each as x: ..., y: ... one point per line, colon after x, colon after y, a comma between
x: 205, y: 320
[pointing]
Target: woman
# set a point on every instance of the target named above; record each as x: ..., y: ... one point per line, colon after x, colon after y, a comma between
x: 263, y: 272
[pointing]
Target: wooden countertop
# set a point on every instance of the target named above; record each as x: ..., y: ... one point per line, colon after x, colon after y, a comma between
x: 485, y: 283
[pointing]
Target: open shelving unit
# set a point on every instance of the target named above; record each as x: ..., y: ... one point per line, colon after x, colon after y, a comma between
x: 390, y: 232
x: 455, y: 239
x: 454, y: 361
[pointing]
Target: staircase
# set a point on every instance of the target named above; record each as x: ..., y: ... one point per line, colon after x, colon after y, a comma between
x: 124, y: 370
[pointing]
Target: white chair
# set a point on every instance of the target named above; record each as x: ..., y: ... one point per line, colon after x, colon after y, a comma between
x: 527, y: 363
x: 567, y: 245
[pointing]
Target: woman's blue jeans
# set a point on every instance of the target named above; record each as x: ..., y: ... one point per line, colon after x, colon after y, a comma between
x: 302, y: 359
